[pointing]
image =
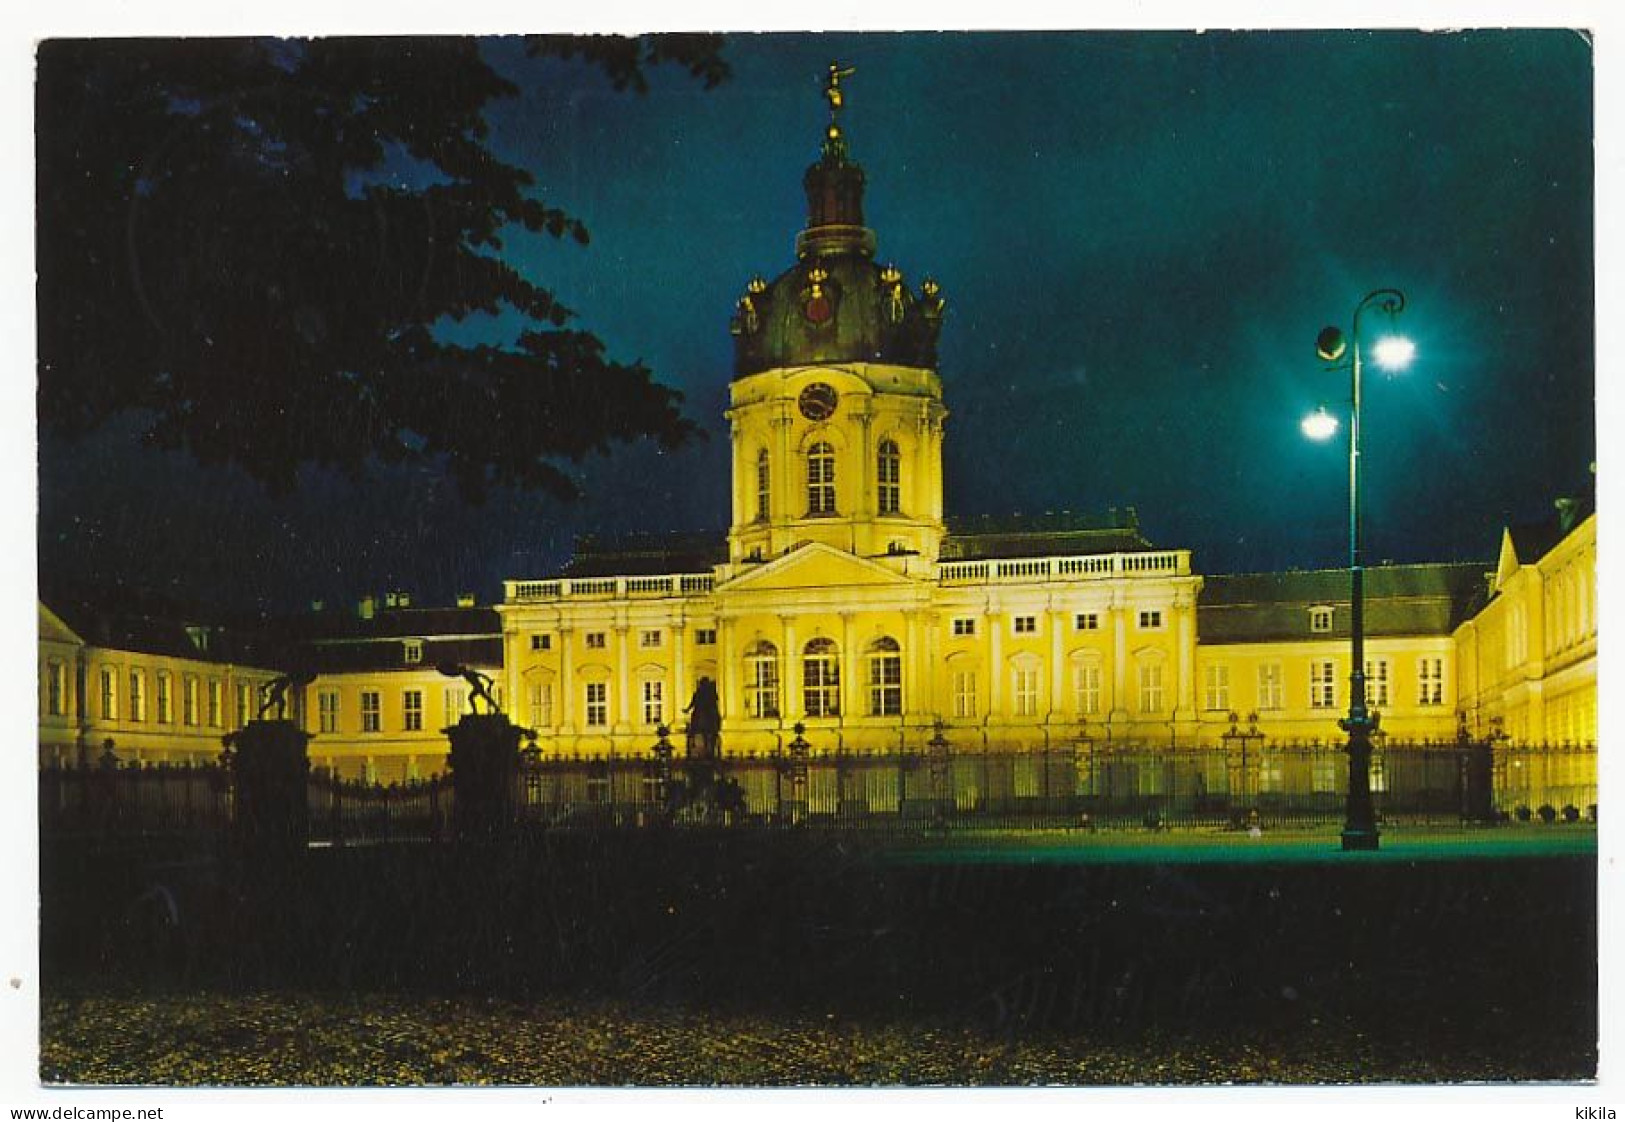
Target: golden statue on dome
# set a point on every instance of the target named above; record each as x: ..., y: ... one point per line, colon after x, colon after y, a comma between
x: 832, y: 94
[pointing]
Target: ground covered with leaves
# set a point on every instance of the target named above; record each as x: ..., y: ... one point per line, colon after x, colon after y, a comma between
x: 270, y: 1039
x: 744, y: 958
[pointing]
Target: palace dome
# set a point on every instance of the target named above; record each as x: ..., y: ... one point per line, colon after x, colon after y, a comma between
x: 836, y: 303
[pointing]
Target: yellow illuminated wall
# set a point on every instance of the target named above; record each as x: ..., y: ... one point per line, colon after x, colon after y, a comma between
x: 1528, y: 660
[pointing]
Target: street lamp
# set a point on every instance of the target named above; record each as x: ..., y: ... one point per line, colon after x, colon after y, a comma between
x: 1392, y: 352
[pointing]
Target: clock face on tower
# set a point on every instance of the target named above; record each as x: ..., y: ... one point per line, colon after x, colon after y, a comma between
x: 817, y: 401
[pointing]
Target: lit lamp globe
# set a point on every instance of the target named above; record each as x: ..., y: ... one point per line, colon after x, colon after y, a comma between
x: 1320, y: 425
x: 1393, y: 352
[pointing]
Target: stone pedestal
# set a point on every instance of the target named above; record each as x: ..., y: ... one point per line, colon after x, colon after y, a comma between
x: 484, y: 764
x: 1477, y: 786
x: 270, y: 771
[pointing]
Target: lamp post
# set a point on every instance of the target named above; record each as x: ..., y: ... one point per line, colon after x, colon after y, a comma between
x: 1393, y: 353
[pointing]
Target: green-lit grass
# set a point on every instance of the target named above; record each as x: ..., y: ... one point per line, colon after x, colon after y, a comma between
x: 1318, y: 844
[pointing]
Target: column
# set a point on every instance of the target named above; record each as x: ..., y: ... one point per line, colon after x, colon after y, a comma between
x: 995, y: 665
x: 728, y: 672
x: 512, y: 652
x: 866, y: 506
x: 1057, y: 665
x: 912, y: 694
x: 781, y: 476
x: 679, y: 659
x: 1184, y: 611
x: 623, y: 677
x: 567, y: 679
x: 790, y: 679
x: 737, y: 440
x: 1119, y: 612
x: 849, y: 675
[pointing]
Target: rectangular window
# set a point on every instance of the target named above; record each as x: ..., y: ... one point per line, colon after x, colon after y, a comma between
x: 1026, y: 693
x: 189, y: 700
x: 541, y: 642
x: 109, y: 694
x: 1151, y: 688
x: 648, y: 640
x: 541, y: 705
x: 762, y: 685
x: 138, y: 695
x: 412, y: 710
x: 965, y: 625
x: 1430, y: 676
x: 654, y: 702
x: 1151, y: 620
x: 327, y: 711
x: 56, y: 689
x: 166, y: 702
x: 820, y: 686
x: 456, y: 700
x: 1218, y: 687
x: 821, y: 480
x: 1376, y: 683
x: 595, y: 641
x: 964, y: 691
x: 1025, y: 625
x: 217, y: 703
x: 371, y: 719
x: 245, y: 703
x: 705, y: 636
x: 597, y: 704
x: 1086, y: 688
x: 1271, y: 691
x: 886, y: 685
x: 889, y: 478
x: 1322, y: 684
x: 1320, y: 620
x: 1086, y: 621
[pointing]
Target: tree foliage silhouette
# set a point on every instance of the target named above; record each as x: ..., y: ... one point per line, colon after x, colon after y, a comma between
x: 249, y: 244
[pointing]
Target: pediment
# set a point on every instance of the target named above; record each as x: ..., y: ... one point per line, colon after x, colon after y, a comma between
x: 817, y: 566
x: 1507, y: 564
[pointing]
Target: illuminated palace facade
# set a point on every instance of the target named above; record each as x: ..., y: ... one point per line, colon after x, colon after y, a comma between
x: 842, y: 600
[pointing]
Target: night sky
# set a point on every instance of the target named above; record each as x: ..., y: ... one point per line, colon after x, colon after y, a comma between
x: 1139, y: 236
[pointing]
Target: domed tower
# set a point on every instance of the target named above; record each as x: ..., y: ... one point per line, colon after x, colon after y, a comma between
x: 836, y: 407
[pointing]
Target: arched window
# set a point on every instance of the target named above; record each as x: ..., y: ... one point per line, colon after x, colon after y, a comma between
x: 1024, y: 673
x: 762, y: 679
x: 889, y: 477
x: 820, y: 479
x: 821, y: 679
x: 764, y: 487
x: 885, y: 678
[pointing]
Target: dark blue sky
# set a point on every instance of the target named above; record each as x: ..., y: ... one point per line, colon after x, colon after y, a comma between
x: 1139, y: 236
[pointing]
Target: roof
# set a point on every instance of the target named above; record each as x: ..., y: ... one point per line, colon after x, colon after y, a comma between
x: 1399, y: 600
x: 1052, y: 534
x: 386, y: 623
x: 187, y: 637
x: 341, y: 642
x: 357, y: 655
x: 638, y: 555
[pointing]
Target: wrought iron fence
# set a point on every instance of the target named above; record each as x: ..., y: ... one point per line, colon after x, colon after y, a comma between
x: 1245, y: 781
